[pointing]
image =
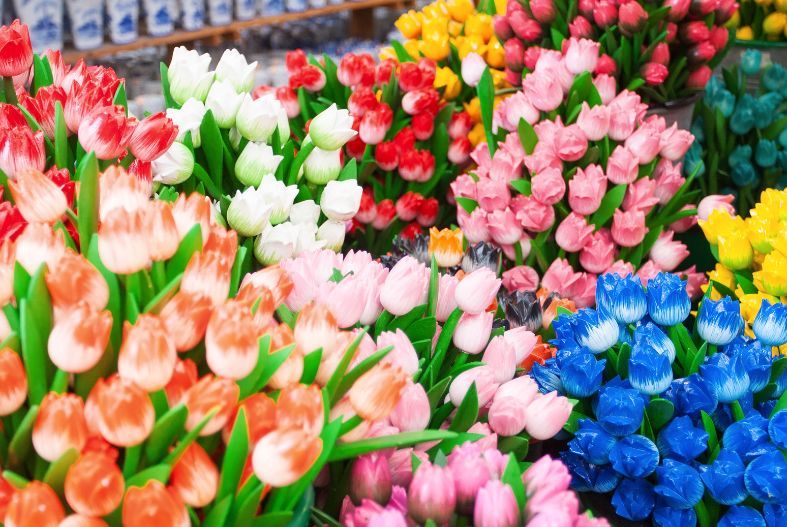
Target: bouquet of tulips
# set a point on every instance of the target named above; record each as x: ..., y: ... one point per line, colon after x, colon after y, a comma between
x: 682, y: 427
x: 664, y: 50
x: 760, y: 20
x: 582, y: 183
x: 741, y: 135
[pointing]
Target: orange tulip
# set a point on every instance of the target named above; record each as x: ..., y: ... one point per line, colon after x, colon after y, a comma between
x: 153, y: 505
x: 39, y: 244
x: 316, y: 327
x: 283, y: 456
x: 540, y: 354
x: 446, y: 246
x: 289, y: 373
x: 208, y: 275
x: 37, y: 197
x: 186, y: 318
x: 375, y: 394
x: 301, y: 407
x: 74, y: 279
x: 260, y: 413
x: 123, y: 412
x: 36, y: 505
x: 260, y: 301
x: 184, y: 376
x: 345, y: 410
x: 281, y: 336
x: 94, y: 485
x: 78, y: 520
x: 274, y: 278
x: 7, y: 259
x: 79, y: 338
x: 120, y: 190
x: 231, y: 342
x: 190, y: 211
x: 163, y: 238
x: 60, y: 425
x: 13, y: 382
x: 147, y: 356
x: 331, y: 359
x: 6, y: 494
x: 97, y: 444
x: 211, y: 392
x: 195, y: 478
x: 123, y: 242
x: 222, y: 241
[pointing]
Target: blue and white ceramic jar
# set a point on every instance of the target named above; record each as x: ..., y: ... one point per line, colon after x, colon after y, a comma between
x: 219, y: 12
x: 87, y: 22
x: 123, y: 20
x: 193, y: 14
x: 45, y: 20
x: 245, y: 9
x: 159, y: 17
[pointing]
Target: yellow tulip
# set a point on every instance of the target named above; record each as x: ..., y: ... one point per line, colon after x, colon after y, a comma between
x: 480, y: 25
x: 773, y: 275
x: 460, y: 10
x: 409, y: 24
x: 719, y: 222
x: 447, y: 79
x: 477, y: 134
x: 412, y: 47
x: 744, y: 33
x: 762, y: 231
x: 723, y: 276
x: 470, y: 44
x: 734, y: 21
x: 501, y: 6
x: 473, y: 109
x: 436, y: 49
x: 774, y: 23
x: 781, y: 6
x: 437, y: 9
x: 454, y: 28
x: 387, y: 53
x: 774, y: 202
x: 735, y: 251
x: 434, y: 28
x: 495, y: 56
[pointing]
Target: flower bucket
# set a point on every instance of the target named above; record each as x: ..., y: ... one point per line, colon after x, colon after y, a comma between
x: 45, y: 20
x: 87, y: 22
x: 193, y: 12
x: 678, y: 111
x: 123, y: 20
x: 772, y: 53
x: 245, y: 9
x: 219, y: 12
x: 159, y: 17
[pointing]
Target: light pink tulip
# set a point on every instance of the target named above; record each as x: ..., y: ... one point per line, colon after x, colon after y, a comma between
x: 492, y: 194
x: 628, y: 228
x: 403, y: 353
x: 645, y: 143
x: 432, y: 495
x: 412, y: 413
x: 405, y: 287
x: 500, y: 356
x: 641, y: 195
x: 388, y: 518
x: 621, y: 268
x: 466, y: 462
x: 622, y: 166
x: 583, y: 292
x: 544, y: 91
x: 496, y: 506
x: 715, y: 201
x: 474, y: 225
x: 346, y: 300
x: 522, y: 340
x: 505, y: 166
x: 581, y: 55
x: 543, y: 157
x: 464, y: 186
x: 534, y: 215
x: 573, y: 233
x: 571, y: 143
x: 668, y: 253
x: 373, y: 280
x: 598, y: 254
x: 473, y: 66
x: 547, y: 475
x: 594, y: 122
x: 586, y: 190
x: 523, y: 389
x: 489, y: 441
x: 548, y: 186
x: 546, y: 415
x: 647, y: 271
x: 524, y: 247
x: 484, y: 379
x: 675, y: 143
x: 606, y: 87
x: 668, y: 180
x: 446, y: 299
x: 477, y: 290
x: 622, y: 123
x: 520, y: 278
x: 560, y: 277
x: 472, y: 332
x: 507, y: 416
x: 518, y: 107
x: 629, y: 101
x: 512, y: 147
x: 503, y: 226
x: 684, y: 224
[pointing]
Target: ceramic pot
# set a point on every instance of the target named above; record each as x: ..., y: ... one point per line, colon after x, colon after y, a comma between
x: 87, y: 22
x: 44, y: 18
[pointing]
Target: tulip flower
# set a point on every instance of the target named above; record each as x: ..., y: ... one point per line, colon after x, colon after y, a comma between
x: 15, y: 49
x: 147, y: 356
x: 432, y: 495
x: 14, y: 382
x: 376, y: 393
x: 94, y: 485
x: 257, y: 119
x: 121, y: 411
x: 232, y: 67
x: 188, y: 75
x: 153, y: 500
x: 281, y: 457
x: 59, y: 426
x: 152, y: 137
x: 331, y: 128
x: 21, y: 149
x: 206, y: 395
x: 174, y: 166
x: 36, y: 504
x: 224, y: 102
x: 79, y: 338
x: 195, y: 478
x: 107, y: 132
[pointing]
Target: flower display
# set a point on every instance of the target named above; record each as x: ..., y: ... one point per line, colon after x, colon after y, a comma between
x: 741, y: 145
x: 758, y: 20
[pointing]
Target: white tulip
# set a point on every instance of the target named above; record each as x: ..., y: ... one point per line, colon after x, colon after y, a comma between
x: 188, y: 118
x: 279, y: 196
x: 322, y: 166
x: 257, y: 118
x: 215, y: 214
x: 255, y: 161
x: 248, y: 212
x: 341, y: 200
x: 174, y: 166
x: 276, y: 243
x: 307, y: 239
x: 188, y: 75
x: 224, y: 102
x: 233, y: 67
x: 235, y: 138
x: 332, y: 128
x: 283, y: 126
x: 305, y: 212
x: 332, y: 233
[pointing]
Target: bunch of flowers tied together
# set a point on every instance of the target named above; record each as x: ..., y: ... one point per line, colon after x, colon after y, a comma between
x: 581, y: 174
x: 760, y: 20
x: 673, y: 415
x: 664, y: 50
x: 741, y: 136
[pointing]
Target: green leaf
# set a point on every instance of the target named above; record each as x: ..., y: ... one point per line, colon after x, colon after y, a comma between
x: 521, y: 185
x: 354, y: 449
x: 266, y: 367
x: 311, y: 363
x: 572, y: 424
x: 486, y: 95
x: 781, y: 404
x: 422, y: 329
x: 436, y: 395
x: 213, y: 148
x: 341, y: 368
x: 157, y: 303
x: 191, y: 243
x: 710, y: 428
x: 164, y: 72
x: 234, y: 458
x: 441, y: 348
x: 362, y: 367
x: 516, y: 445
x: 623, y: 360
x: 158, y: 472
x: 189, y: 438
x: 468, y: 204
x: 34, y: 353
x: 434, y: 286
x: 746, y: 284
x: 467, y: 413
x: 401, y: 53
x: 660, y: 412
x: 218, y: 514
x: 87, y: 200
x: 165, y: 431
x: 21, y: 442
x: 512, y: 476
x: 21, y: 280
x: 404, y: 321
x: 120, y: 96
x: 698, y: 359
x: 527, y: 136
x: 350, y: 171
x: 42, y: 73
x: 557, y: 37
x: 61, y: 137
x: 609, y: 203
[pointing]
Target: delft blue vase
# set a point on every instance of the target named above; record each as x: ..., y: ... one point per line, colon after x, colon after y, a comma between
x: 219, y: 12
x: 87, y: 22
x: 245, y: 9
x: 123, y: 20
x: 45, y: 20
x: 193, y: 13
x: 159, y: 17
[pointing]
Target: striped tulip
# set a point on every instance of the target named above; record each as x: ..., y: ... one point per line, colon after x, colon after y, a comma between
x: 207, y: 394
x: 13, y: 382
x: 122, y: 412
x: 207, y: 274
x: 73, y: 279
x: 163, y: 232
x: 147, y: 356
x: 123, y: 242
x: 39, y: 244
x: 192, y: 210
x: 184, y: 376
x: 376, y: 393
x: 60, y: 426
x: 315, y: 328
x: 260, y: 411
x: 283, y: 456
x: 301, y: 407
x: 94, y: 485
x: 153, y: 504
x: 79, y: 338
x: 231, y: 348
x: 274, y: 278
x: 121, y: 190
x: 195, y: 478
x: 79, y: 520
x: 186, y: 318
x: 38, y: 198
x: 36, y: 505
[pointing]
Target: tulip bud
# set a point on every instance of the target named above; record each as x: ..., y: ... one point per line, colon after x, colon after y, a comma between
x: 255, y: 161
x: 496, y: 506
x: 276, y: 243
x: 175, y: 166
x: 332, y: 233
x: 248, y: 212
x: 432, y: 494
x: 13, y: 391
x: 257, y: 118
x: 322, y: 166
x: 188, y: 75
x: 340, y: 200
x: 412, y: 413
x: 223, y: 101
x: 279, y: 196
x: 501, y: 27
x: 472, y: 332
x: 331, y: 128
x: 482, y: 377
x: 654, y: 73
x: 305, y: 212
x: 632, y: 18
x: 233, y: 68
x: 370, y: 479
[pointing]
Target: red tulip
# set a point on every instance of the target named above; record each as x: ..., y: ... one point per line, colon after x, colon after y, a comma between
x: 654, y: 73
x: 11, y: 117
x: 86, y: 96
x: 42, y: 107
x: 153, y: 136
x: 16, y: 51
x: 20, y: 149
x: 106, y: 131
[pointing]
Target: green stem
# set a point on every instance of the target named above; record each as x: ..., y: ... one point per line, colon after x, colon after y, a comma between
x: 298, y: 162
x: 10, y: 91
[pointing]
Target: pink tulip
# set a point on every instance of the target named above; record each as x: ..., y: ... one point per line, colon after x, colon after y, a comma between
x: 503, y: 226
x: 605, y: 13
x: 622, y: 166
x: 699, y: 77
x: 622, y: 123
x: 668, y: 180
x: 647, y: 271
x: 504, y: 167
x: 684, y: 224
x: 573, y: 233
x: 620, y: 268
x: 484, y: 379
x: 594, y: 122
x: 403, y: 353
x: 500, y: 356
x: 496, y: 506
x: 586, y: 190
x: 477, y: 290
x: 632, y: 18
x: 560, y: 277
x: 518, y: 107
x: 534, y: 215
x: 466, y: 462
x: 370, y: 479
x: 489, y: 441
x: 546, y: 476
x: 571, y: 143
x: 523, y: 389
x: 715, y: 201
x: 598, y: 254
x: 492, y: 194
x: 464, y: 186
x: 372, y: 307
x: 630, y: 101
x: 514, y: 55
x: 583, y: 292
x: 523, y: 342
x: 661, y: 53
x: 400, y: 464
x: 668, y: 253
x: 542, y: 158
x: 507, y: 416
x: 606, y: 87
x: 472, y: 332
x: 544, y: 91
x: 432, y: 495
x: 446, y: 301
x: 546, y: 415
x: 473, y: 66
x: 388, y: 518
x: 641, y: 195
x: 645, y: 143
x: 678, y: 9
x: 548, y: 186
x: 628, y: 228
x: 694, y: 281
x: 543, y: 10
x: 352, y: 516
x: 412, y: 413
x: 474, y: 225
x: 405, y: 287
x: 520, y: 278
x: 654, y: 73
x: 675, y: 143
x: 525, y: 27
x: 581, y: 55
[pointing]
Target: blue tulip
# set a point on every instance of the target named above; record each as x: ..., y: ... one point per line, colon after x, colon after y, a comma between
x: 592, y: 442
x: 742, y: 119
x: 743, y: 174
x: 741, y: 154
x: 651, y: 335
x: 698, y: 127
x: 668, y: 302
x: 634, y: 499
x: 680, y: 439
x: 770, y: 324
x: 724, y: 478
x: 719, y: 321
x: 580, y: 374
x: 595, y: 329
x: 692, y: 394
x: 757, y: 360
x: 693, y: 162
x: 725, y: 103
x: 678, y: 484
x: 766, y: 407
x: 634, y: 456
x: 775, y: 78
x: 586, y: 477
x: 623, y: 298
x: 740, y: 516
x: 712, y: 89
x: 727, y: 375
x: 564, y: 331
x: 783, y: 138
x: 766, y: 153
x: 750, y: 62
x: 624, y: 335
x: 547, y: 376
x: 619, y: 410
x: 777, y: 429
x: 775, y: 514
x: 762, y: 113
x: 748, y: 437
x: 650, y: 372
x: 664, y: 516
x: 766, y: 478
